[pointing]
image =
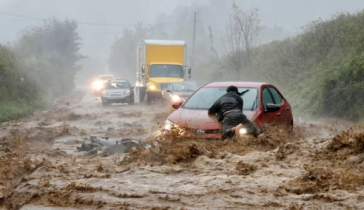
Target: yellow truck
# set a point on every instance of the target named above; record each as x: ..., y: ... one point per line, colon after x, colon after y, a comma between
x: 159, y: 63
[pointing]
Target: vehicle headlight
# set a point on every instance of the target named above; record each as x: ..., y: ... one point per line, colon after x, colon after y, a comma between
x: 127, y: 92
x: 176, y: 98
x: 151, y: 87
x: 168, y: 125
x: 105, y: 93
x: 243, y: 131
x: 98, y: 85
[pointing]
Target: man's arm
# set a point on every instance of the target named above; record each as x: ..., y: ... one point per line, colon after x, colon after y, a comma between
x: 214, y: 108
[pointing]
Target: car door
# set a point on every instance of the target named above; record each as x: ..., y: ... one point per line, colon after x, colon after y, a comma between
x: 267, y: 98
x: 284, y: 117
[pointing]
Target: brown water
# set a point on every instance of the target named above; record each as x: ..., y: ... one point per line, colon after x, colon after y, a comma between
x: 41, y: 168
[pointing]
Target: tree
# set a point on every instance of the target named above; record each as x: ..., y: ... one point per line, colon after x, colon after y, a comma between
x: 242, y: 31
x: 122, y: 59
x: 49, y: 54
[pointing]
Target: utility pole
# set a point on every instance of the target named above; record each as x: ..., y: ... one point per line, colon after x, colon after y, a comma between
x: 193, y: 42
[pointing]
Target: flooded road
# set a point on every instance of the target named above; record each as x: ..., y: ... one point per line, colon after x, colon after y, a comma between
x: 319, y: 167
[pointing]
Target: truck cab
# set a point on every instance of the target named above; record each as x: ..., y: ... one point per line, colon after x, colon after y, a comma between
x: 159, y: 63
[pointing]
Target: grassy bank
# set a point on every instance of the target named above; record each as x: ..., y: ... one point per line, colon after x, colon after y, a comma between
x: 320, y: 70
x: 14, y: 110
x: 19, y: 96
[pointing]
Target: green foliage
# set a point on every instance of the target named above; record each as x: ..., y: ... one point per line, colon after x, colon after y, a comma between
x: 11, y: 86
x: 344, y: 90
x: 42, y: 66
x: 17, y: 97
x: 320, y: 70
x: 17, y: 109
x: 49, y: 55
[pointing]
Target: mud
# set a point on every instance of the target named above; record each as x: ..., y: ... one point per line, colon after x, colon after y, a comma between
x: 319, y: 166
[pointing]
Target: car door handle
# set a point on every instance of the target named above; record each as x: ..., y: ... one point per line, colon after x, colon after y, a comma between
x: 278, y: 114
x: 287, y: 108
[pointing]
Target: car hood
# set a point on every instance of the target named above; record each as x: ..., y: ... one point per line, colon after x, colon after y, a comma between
x: 165, y: 79
x: 115, y: 90
x: 198, y: 119
x: 183, y: 94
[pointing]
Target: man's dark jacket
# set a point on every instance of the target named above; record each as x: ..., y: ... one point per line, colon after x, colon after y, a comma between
x: 228, y: 102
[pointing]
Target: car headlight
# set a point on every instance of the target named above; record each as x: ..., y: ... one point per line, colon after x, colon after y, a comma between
x: 168, y: 125
x: 127, y: 92
x: 243, y: 131
x: 98, y: 85
x: 151, y: 87
x: 176, y: 98
x: 105, y: 93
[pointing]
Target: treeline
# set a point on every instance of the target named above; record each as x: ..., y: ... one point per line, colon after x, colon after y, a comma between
x: 321, y: 70
x: 37, y: 68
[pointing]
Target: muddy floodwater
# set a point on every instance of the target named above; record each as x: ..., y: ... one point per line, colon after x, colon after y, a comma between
x: 320, y: 166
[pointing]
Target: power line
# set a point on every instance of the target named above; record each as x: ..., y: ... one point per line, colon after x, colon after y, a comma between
x: 80, y: 23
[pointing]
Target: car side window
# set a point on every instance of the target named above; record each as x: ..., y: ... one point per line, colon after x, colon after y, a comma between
x: 267, y: 98
x: 277, y: 97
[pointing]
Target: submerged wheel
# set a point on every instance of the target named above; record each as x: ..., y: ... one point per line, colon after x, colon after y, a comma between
x: 149, y: 98
x: 104, y: 103
x: 132, y: 101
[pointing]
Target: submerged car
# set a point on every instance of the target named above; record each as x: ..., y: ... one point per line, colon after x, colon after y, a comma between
x: 117, y: 91
x: 263, y: 103
x: 179, y: 91
x: 99, y: 83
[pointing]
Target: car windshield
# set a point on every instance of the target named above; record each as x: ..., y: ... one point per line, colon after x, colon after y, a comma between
x: 204, y: 98
x: 184, y: 87
x: 159, y: 70
x: 117, y: 85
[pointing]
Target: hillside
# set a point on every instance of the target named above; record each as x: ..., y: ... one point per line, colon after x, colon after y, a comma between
x: 320, y: 70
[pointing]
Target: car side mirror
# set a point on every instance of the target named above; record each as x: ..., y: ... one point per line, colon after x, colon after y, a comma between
x: 168, y: 91
x: 272, y: 108
x: 143, y: 71
x: 177, y: 105
x: 132, y: 88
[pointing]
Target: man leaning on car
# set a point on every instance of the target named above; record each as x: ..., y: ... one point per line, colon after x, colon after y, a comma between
x: 228, y: 109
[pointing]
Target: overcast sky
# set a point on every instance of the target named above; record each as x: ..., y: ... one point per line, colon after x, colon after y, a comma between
x: 289, y: 14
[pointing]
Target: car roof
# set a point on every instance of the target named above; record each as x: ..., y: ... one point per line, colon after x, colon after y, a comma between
x: 237, y: 84
x: 118, y: 80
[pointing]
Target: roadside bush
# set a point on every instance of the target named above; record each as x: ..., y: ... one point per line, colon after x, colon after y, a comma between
x: 320, y: 71
x: 19, y: 95
x: 49, y: 54
x: 344, y: 90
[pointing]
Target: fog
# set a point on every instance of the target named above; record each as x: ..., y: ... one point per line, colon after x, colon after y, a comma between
x: 101, y: 22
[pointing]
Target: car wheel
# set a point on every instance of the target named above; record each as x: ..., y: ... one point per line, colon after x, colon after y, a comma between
x: 104, y: 103
x: 149, y: 98
x: 131, y: 101
x: 141, y: 95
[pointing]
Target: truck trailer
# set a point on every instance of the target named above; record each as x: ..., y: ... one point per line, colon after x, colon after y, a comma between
x: 159, y: 63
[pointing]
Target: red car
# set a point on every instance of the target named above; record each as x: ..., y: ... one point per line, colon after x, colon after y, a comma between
x: 263, y: 104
